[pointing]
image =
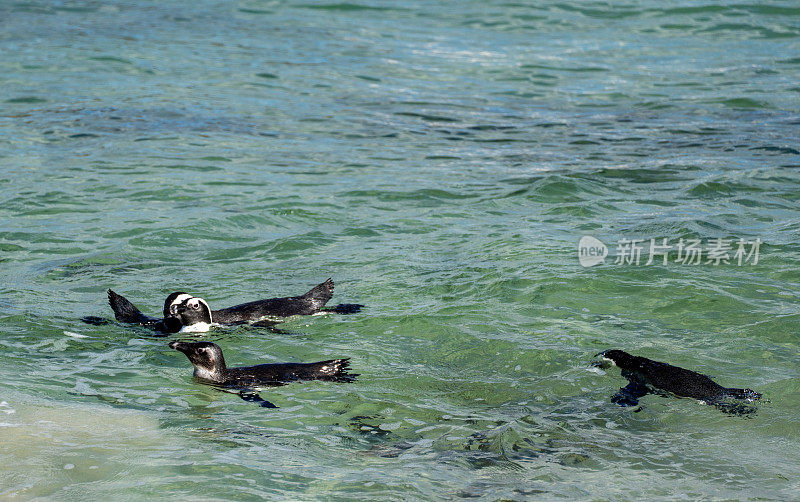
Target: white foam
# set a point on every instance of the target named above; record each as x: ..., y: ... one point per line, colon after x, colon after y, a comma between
x: 75, y: 335
x: 6, y: 408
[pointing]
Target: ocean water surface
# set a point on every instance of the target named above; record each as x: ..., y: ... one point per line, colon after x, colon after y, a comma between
x: 440, y: 161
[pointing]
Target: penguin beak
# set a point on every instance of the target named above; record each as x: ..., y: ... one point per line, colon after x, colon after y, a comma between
x: 179, y: 346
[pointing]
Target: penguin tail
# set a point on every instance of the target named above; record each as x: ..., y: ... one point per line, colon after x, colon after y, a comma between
x: 320, y: 294
x: 743, y: 394
x: 334, y: 370
x: 125, y: 311
x: 344, y: 308
x: 735, y: 401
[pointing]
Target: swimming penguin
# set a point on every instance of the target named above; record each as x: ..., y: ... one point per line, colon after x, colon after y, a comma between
x: 210, y: 368
x: 311, y: 302
x: 646, y: 376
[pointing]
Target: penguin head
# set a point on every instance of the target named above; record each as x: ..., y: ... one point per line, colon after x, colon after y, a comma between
x: 206, y: 357
x: 616, y: 357
x: 172, y: 302
x: 195, y: 315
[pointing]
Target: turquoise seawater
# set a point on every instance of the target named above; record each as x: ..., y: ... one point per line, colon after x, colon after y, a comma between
x: 440, y: 161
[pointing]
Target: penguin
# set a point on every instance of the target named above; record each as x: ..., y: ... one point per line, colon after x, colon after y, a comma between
x: 310, y: 303
x: 210, y: 368
x: 647, y: 376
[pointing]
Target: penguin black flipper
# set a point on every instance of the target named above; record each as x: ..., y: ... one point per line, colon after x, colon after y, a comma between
x: 125, y: 311
x: 630, y: 394
x: 254, y: 397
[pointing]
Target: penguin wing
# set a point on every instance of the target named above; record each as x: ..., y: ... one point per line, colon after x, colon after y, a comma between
x: 125, y: 311
x: 630, y: 394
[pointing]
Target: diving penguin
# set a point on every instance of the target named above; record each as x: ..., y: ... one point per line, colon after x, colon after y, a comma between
x: 647, y: 376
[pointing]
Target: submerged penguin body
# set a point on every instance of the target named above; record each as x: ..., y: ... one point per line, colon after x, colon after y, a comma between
x: 646, y: 376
